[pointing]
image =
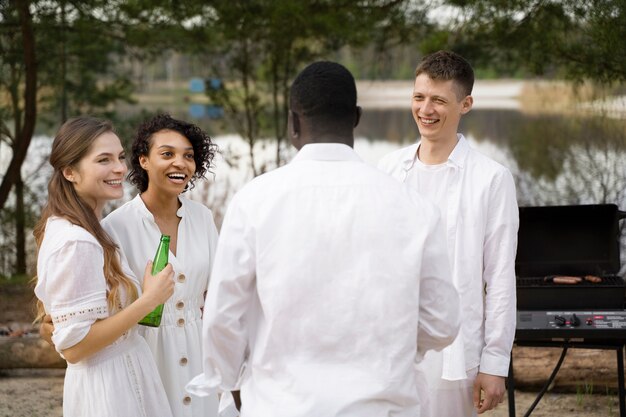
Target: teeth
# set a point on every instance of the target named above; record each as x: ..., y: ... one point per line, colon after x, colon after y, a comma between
x: 177, y: 176
x: 428, y: 121
x: 114, y: 182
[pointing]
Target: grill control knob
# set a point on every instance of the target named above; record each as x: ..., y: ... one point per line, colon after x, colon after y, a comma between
x: 560, y: 320
x: 575, y: 320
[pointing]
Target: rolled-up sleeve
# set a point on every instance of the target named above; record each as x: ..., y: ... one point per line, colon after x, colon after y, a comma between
x: 76, y: 290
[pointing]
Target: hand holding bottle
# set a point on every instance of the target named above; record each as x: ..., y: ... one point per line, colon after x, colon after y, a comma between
x: 158, y: 288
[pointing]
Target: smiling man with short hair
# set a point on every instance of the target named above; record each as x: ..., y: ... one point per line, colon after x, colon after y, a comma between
x: 476, y: 197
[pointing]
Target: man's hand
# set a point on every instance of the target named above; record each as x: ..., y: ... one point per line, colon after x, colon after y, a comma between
x: 46, y: 328
x: 488, y: 392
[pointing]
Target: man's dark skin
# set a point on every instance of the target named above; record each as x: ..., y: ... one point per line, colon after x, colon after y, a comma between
x: 304, y: 130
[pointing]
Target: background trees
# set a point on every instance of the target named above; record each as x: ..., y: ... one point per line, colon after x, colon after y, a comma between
x: 256, y: 47
x: 574, y: 39
x: 59, y: 58
x: 56, y: 60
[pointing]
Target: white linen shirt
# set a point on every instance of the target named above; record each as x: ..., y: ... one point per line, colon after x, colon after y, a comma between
x: 329, y: 280
x: 482, y: 222
x: 176, y: 343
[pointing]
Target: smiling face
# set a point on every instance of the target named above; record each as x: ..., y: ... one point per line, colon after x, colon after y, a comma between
x: 98, y: 176
x: 170, y: 162
x: 437, y: 108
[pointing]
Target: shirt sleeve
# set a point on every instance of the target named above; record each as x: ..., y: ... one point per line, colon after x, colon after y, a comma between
x: 76, y: 288
x: 500, y: 247
x: 232, y: 286
x: 439, y: 300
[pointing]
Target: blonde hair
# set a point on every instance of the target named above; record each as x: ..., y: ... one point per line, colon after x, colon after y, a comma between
x: 72, y: 142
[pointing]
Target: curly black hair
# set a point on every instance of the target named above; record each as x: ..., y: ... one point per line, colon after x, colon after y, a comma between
x: 204, y: 149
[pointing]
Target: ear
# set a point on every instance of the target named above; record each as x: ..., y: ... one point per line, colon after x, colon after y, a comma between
x: 357, y: 118
x: 143, y: 162
x: 466, y: 104
x: 68, y: 173
x: 294, y: 120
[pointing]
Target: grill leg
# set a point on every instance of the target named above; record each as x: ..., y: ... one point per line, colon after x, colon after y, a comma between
x: 620, y: 381
x: 510, y: 387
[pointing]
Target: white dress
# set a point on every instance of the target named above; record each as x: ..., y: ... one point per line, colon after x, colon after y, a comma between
x: 119, y: 380
x: 177, y: 342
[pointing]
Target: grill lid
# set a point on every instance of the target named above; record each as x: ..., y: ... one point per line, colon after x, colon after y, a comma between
x: 568, y: 240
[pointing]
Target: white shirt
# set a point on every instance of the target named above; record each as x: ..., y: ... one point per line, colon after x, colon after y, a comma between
x: 481, y: 231
x: 120, y: 379
x: 329, y: 280
x: 176, y: 343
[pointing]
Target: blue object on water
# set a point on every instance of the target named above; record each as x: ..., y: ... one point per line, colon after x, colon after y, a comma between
x: 200, y: 111
x: 214, y: 83
x: 196, y: 110
x: 214, y: 112
x: 196, y: 85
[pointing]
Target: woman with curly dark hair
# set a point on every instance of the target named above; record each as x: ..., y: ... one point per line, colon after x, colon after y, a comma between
x: 168, y: 155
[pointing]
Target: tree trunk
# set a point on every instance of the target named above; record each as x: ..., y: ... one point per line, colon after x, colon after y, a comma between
x: 24, y: 136
x: 20, y: 227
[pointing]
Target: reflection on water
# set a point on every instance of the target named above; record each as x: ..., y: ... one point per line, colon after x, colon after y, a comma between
x: 556, y: 159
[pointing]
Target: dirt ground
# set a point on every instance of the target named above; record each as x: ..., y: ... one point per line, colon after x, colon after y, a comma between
x: 584, y: 387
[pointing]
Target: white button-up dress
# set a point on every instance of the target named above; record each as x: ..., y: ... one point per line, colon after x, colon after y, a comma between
x: 119, y: 380
x: 330, y: 281
x: 176, y: 344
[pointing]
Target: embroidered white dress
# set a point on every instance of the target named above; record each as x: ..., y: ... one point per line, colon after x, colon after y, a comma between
x: 177, y: 343
x: 121, y: 379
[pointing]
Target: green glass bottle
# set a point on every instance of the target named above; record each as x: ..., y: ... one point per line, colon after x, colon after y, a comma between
x: 153, y: 319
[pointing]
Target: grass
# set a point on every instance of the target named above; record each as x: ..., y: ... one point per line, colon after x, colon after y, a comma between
x: 583, y: 391
x: 22, y: 280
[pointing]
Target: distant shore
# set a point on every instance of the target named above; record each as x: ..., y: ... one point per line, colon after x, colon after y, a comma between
x: 397, y: 94
x: 523, y: 95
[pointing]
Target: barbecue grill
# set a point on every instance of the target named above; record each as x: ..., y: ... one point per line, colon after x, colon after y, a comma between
x: 586, y: 310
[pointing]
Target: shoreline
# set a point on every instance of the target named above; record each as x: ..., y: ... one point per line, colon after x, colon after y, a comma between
x: 528, y: 96
x: 488, y: 94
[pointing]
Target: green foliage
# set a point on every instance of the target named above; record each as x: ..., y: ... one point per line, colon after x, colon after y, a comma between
x: 256, y: 47
x: 578, y: 40
x: 21, y: 280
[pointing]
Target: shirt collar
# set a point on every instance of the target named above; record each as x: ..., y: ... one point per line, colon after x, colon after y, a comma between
x: 326, y: 152
x: 460, y: 151
x: 457, y: 156
x: 138, y: 202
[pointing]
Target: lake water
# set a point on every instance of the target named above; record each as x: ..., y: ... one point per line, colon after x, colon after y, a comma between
x: 555, y: 159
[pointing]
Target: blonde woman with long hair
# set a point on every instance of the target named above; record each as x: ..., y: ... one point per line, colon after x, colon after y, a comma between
x: 93, y: 299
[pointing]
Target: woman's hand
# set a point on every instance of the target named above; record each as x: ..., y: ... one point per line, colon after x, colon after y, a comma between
x: 158, y: 288
x: 46, y: 328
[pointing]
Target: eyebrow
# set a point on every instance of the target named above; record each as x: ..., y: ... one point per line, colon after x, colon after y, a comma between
x: 417, y: 93
x: 173, y: 147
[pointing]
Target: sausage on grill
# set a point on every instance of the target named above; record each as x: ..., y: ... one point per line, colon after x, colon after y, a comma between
x: 564, y: 279
x: 593, y: 278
